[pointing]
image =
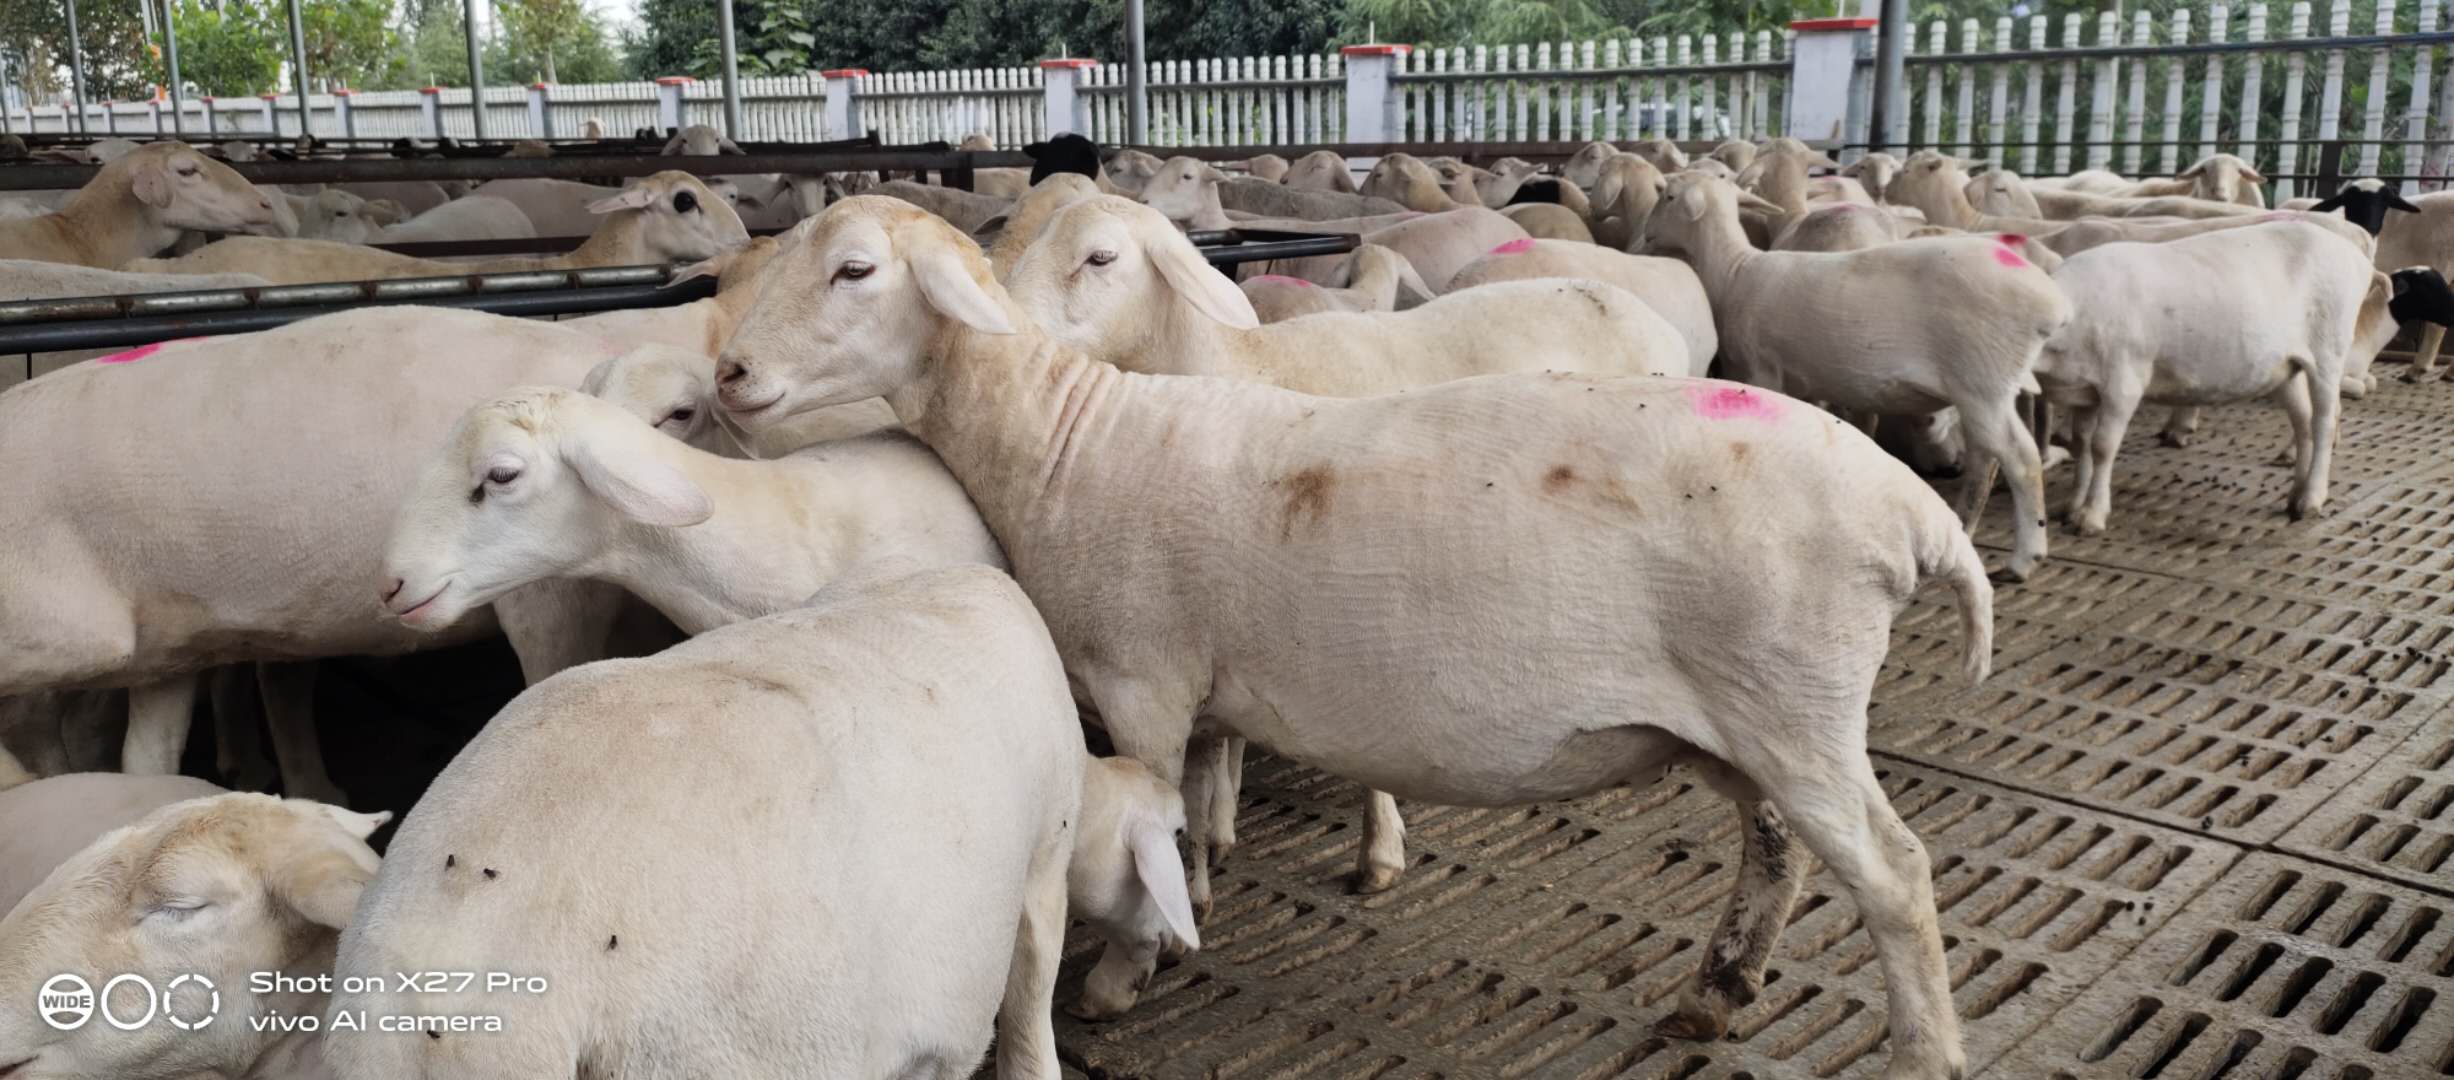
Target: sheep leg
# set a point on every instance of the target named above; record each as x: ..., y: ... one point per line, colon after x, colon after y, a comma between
x: 1204, y: 769
x: 1977, y: 474
x: 559, y: 624
x: 2179, y: 426
x: 2424, y: 362
x: 2113, y: 413
x: 158, y: 718
x: 1829, y: 796
x: 289, y: 707
x: 2083, y: 464
x: 2309, y: 496
x: 1223, y: 794
x: 1151, y: 724
x: 1994, y: 429
x: 1026, y: 1040
x: 1771, y: 869
x: 2293, y: 395
x: 1383, y: 855
x: 238, y: 741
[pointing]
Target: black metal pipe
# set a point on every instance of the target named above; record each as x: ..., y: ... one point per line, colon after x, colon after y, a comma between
x: 105, y: 333
x: 170, y: 53
x: 1265, y: 250
x: 477, y: 69
x: 298, y: 72
x: 1890, y: 99
x: 76, y: 69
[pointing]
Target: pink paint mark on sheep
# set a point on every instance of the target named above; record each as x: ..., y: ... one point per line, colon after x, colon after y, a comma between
x: 2007, y: 257
x: 140, y: 352
x: 1726, y: 402
x: 1282, y: 279
x: 1515, y: 247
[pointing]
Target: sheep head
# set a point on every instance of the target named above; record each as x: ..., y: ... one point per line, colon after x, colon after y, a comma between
x: 184, y: 189
x: 1126, y: 880
x: 679, y: 218
x: 1105, y: 267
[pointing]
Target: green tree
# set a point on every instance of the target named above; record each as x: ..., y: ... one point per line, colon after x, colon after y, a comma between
x: 228, y: 50
x: 349, y: 42
x: 670, y: 37
x: 553, y: 40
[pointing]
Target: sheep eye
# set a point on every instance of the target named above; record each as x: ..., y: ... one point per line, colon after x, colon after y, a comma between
x: 682, y: 416
x: 175, y: 909
x: 853, y: 271
x: 188, y: 170
x: 684, y: 202
x: 1102, y: 258
x: 502, y: 474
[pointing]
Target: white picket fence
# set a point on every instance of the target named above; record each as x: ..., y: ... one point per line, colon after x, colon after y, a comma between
x: 2139, y: 93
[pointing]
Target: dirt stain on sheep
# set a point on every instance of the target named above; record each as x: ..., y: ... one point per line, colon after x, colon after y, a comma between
x: 1561, y: 480
x: 1558, y: 480
x: 1308, y: 494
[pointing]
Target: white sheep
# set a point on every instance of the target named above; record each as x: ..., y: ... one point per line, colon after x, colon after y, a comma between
x: 1375, y: 282
x: 1875, y: 171
x: 138, y: 205
x: 474, y: 217
x: 1187, y: 190
x: 2267, y: 311
x: 1807, y: 323
x: 224, y: 889
x: 1347, y: 583
x: 1437, y: 245
x: 1030, y: 214
x: 45, y: 822
x: 550, y: 482
x: 554, y: 207
x: 968, y: 210
x: 670, y: 217
x: 2411, y: 232
x: 699, y: 140
x: 1320, y: 170
x: 1626, y: 193
x: 29, y: 279
x: 897, y: 765
x: 1668, y: 286
x: 1405, y: 180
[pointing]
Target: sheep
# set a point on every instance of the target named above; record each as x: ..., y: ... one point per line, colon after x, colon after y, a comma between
x: 1029, y: 215
x: 698, y: 140
x: 592, y: 129
x: 1187, y: 191
x: 1664, y: 154
x: 670, y: 217
x: 1066, y: 153
x: 530, y: 148
x: 1628, y: 189
x: 1374, y: 283
x: 1840, y: 227
x: 1875, y: 171
x: 2089, y: 233
x: 898, y: 764
x: 44, y: 823
x: 1494, y: 187
x: 674, y: 389
x: 1268, y: 167
x: 138, y: 205
x: 1111, y: 280
x: 1348, y: 589
x: 1438, y: 245
x: 2057, y: 205
x: 1734, y: 154
x: 1265, y: 199
x: 2269, y: 310
x: 35, y: 280
x: 330, y: 214
x: 476, y: 217
x: 81, y: 585
x: 1549, y: 221
x: 1584, y: 167
x: 2418, y: 233
x: 217, y: 889
x: 1125, y: 171
x: 1985, y: 313
x: 548, y: 482
x: 1552, y: 189
x: 1321, y: 170
x: 554, y: 207
x: 1668, y: 286
x: 967, y: 210
x: 1935, y: 185
x: 412, y: 196
x: 2225, y: 178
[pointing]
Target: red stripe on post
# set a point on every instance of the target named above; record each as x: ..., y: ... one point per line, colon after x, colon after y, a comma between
x: 1070, y: 62
x: 1804, y: 25
x: 845, y: 73
x: 1376, y: 50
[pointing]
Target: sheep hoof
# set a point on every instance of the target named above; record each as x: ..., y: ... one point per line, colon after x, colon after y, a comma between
x: 2012, y: 574
x: 2089, y: 526
x: 2056, y: 455
x: 2304, y: 511
x: 2357, y: 389
x: 2178, y: 440
x: 2413, y: 375
x: 1375, y: 879
x: 1681, y: 1025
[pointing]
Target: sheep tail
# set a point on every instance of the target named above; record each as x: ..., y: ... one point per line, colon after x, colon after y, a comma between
x: 1950, y: 554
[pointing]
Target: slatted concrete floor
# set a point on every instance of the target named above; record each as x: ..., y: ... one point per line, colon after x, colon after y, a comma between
x: 2199, y: 824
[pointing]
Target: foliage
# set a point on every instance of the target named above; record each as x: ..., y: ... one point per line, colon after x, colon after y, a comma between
x: 553, y: 40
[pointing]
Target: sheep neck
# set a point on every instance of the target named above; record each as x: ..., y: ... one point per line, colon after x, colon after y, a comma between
x: 1009, y: 414
x: 109, y: 224
x: 614, y: 243
x: 1720, y: 251
x: 694, y: 575
x: 1211, y: 214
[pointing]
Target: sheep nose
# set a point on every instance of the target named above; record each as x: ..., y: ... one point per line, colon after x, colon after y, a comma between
x: 393, y: 589
x: 731, y: 371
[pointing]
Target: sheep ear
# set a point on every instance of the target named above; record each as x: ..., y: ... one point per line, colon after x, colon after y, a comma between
x: 1606, y: 191
x: 2395, y: 200
x: 673, y: 144
x: 2251, y: 174
x: 323, y: 887
x: 1209, y: 291
x: 1822, y: 160
x: 632, y: 481
x: 355, y: 823
x: 948, y: 287
x: 152, y: 184
x: 2191, y: 173
x: 1410, y: 282
x: 708, y: 267
x: 2331, y: 202
x: 1854, y: 168
x: 728, y: 146
x: 631, y: 198
x: 1748, y: 200
x: 1162, y: 872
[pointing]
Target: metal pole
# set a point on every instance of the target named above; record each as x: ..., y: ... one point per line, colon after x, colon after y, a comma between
x: 76, y: 65
x: 477, y: 71
x: 170, y: 53
x: 1889, y: 77
x: 298, y: 70
x: 1137, y: 95
x: 732, y: 71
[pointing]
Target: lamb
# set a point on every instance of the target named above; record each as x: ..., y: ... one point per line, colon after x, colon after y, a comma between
x: 1187, y: 191
x: 898, y: 764
x: 550, y: 482
x: 196, y: 898
x: 1373, y: 283
x: 1320, y: 170
x: 1668, y: 286
x: 1875, y: 171
x: 1629, y: 188
x: 138, y: 205
x: 33, y: 280
x: 1264, y: 199
x: 670, y: 217
x: 1549, y: 221
x: 1268, y: 167
x: 967, y: 210
x: 2269, y: 311
x: 44, y: 823
x: 1584, y: 168
x: 554, y: 207
x: 1985, y: 313
x: 80, y: 580
x: 1405, y: 180
x: 477, y: 217
x: 699, y: 140
x: 1334, y: 598
x: 1438, y: 245
x: 2419, y: 233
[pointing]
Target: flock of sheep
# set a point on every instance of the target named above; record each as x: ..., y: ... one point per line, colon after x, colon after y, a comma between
x: 937, y: 476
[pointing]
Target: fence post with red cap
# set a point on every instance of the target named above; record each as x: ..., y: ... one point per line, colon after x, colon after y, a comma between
x: 1064, y: 106
x: 1371, y: 110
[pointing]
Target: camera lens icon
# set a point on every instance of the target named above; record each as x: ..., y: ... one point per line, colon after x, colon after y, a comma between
x: 68, y: 1002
